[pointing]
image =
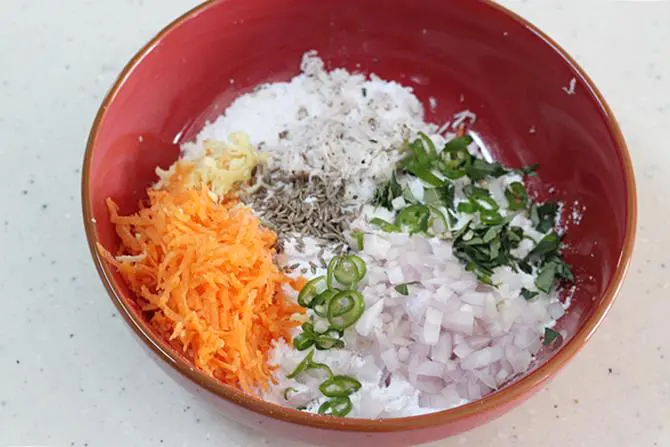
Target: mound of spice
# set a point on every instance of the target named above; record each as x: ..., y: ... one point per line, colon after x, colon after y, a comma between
x: 204, y: 271
x: 312, y: 206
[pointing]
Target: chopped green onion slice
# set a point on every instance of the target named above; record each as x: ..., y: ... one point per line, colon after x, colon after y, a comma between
x: 288, y: 390
x: 345, y: 308
x: 517, y: 197
x: 337, y: 406
x: 339, y: 386
x: 358, y: 236
x: 550, y: 335
x: 311, y: 290
x: 384, y: 225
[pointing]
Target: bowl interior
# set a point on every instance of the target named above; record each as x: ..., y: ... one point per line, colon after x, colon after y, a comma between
x: 464, y: 54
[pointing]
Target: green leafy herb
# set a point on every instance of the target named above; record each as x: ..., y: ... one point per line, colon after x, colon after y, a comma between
x: 528, y: 170
x: 422, y: 171
x: 384, y: 225
x: 547, y: 248
x: 403, y: 289
x: 550, y: 335
x: 546, y: 276
x: 528, y: 294
x: 441, y: 195
x: 517, y: 197
x: 543, y: 216
x: 485, y: 247
x: 385, y: 193
x: 480, y: 169
x: 428, y: 143
x: 415, y: 218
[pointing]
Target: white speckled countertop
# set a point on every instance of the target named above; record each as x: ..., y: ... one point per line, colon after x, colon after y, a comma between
x: 71, y: 373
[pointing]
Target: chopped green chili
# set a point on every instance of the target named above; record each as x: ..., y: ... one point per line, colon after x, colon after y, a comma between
x: 303, y: 341
x: 288, y: 390
x: 307, y: 364
x: 346, y: 270
x: 302, y: 366
x: 339, y: 386
x: 320, y: 303
x: 310, y: 290
x: 337, y: 406
x: 324, y: 342
x: 345, y: 308
x: 358, y: 237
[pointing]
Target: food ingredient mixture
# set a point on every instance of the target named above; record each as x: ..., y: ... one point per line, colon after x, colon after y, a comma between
x: 347, y: 258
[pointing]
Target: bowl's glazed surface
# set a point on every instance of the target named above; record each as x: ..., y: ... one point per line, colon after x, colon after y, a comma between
x: 465, y: 54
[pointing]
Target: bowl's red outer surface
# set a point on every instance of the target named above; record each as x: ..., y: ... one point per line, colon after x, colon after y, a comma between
x: 464, y: 53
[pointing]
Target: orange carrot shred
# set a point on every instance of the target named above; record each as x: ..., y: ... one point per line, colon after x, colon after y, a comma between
x: 206, y: 273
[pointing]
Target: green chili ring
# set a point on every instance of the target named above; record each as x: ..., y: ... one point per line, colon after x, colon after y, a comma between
x: 320, y: 303
x: 303, y: 341
x: 337, y: 406
x: 339, y: 386
x: 345, y: 308
x: 324, y: 343
x: 310, y: 290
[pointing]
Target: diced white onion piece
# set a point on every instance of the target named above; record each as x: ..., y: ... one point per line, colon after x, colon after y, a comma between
x: 370, y: 317
x: 390, y: 358
x: 398, y: 203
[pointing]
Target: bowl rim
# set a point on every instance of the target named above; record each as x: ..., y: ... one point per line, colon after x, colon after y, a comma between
x: 511, y: 393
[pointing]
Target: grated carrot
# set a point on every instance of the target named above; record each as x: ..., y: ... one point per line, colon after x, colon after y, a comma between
x: 204, y: 271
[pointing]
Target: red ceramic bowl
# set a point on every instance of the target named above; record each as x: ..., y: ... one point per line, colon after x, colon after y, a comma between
x: 507, y: 72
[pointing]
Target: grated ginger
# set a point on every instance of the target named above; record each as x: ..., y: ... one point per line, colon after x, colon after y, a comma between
x: 222, y: 166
